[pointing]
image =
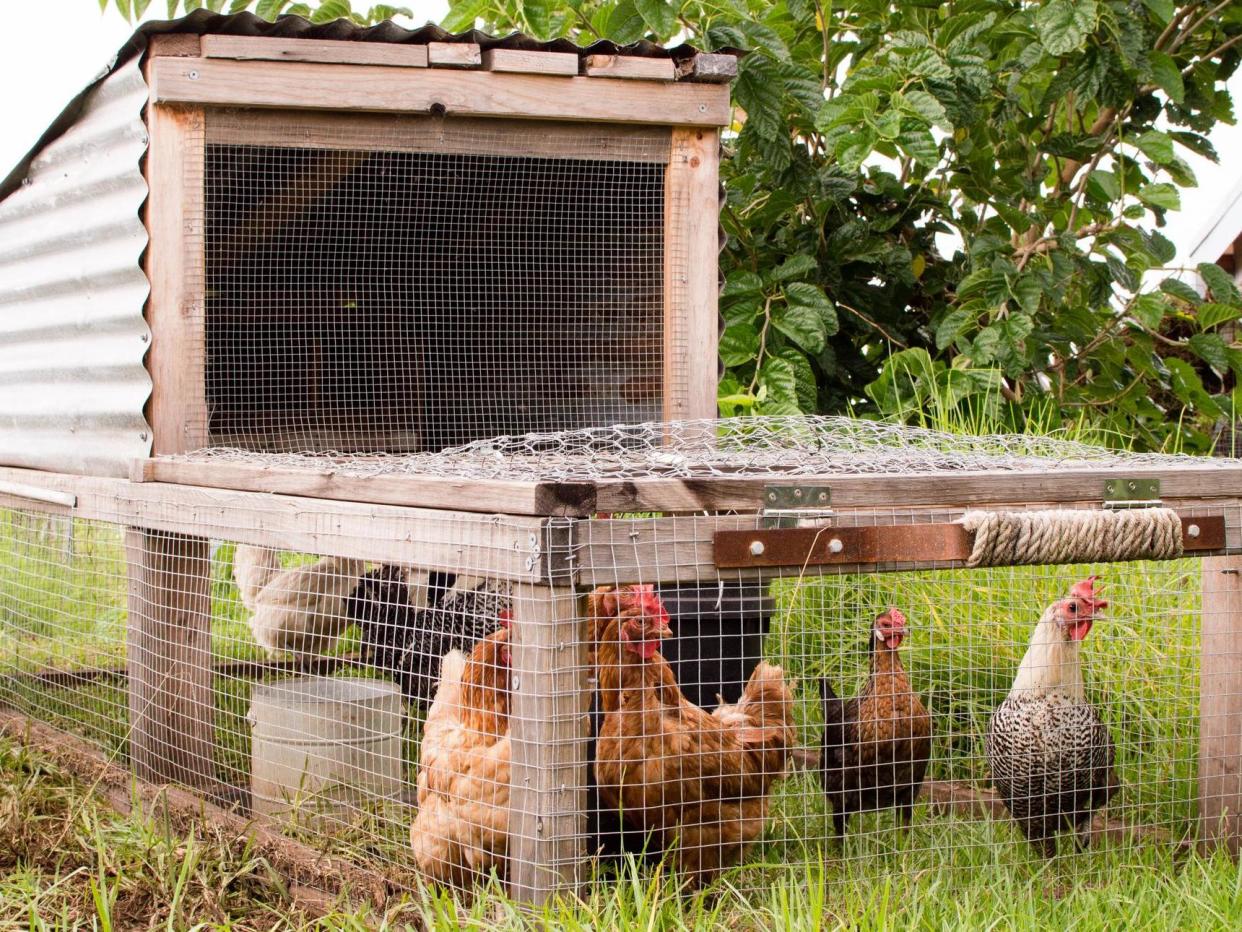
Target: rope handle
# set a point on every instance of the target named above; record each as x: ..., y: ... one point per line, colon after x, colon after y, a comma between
x: 1016, y: 538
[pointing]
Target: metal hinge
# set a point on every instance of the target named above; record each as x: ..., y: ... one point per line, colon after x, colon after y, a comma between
x: 796, y: 505
x: 1132, y: 493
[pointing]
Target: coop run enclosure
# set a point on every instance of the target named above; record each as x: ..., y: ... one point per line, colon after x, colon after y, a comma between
x: 654, y: 625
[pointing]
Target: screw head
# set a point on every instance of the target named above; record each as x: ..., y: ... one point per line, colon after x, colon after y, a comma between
x: 1132, y: 486
x: 835, y: 545
x: 756, y: 548
x: 1192, y: 530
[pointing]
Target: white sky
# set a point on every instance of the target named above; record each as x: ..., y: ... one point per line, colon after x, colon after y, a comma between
x: 41, y: 69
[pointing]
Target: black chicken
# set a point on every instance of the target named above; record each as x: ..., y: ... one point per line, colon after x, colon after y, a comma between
x: 407, y: 642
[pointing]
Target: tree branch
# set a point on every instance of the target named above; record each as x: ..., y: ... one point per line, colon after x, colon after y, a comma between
x: 867, y: 320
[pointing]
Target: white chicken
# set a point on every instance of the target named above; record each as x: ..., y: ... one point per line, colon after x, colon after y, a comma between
x: 302, y: 610
x: 253, y: 568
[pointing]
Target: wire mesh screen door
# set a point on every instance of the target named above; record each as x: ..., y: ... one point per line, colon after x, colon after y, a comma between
x: 409, y: 283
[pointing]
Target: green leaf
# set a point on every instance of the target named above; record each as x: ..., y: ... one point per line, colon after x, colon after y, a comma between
x: 802, y: 294
x: 797, y: 266
x: 1162, y: 195
x: 1063, y: 25
x: 740, y: 283
x: 920, y: 146
x: 1179, y: 289
x: 1104, y: 185
x: 1220, y: 286
x: 329, y: 10
x: 270, y: 9
x: 464, y: 14
x: 1163, y: 9
x: 124, y: 9
x: 1156, y: 146
x: 1188, y: 387
x: 952, y: 325
x: 739, y: 344
x: 659, y: 16
x: 928, y: 63
x: 625, y: 23
x: 780, y: 378
x: 140, y: 8
x: 924, y: 105
x: 1149, y: 310
x: 1167, y: 76
x: 537, y: 15
x: 1211, y: 349
x: 1027, y: 291
x: 802, y: 325
x: 1212, y: 314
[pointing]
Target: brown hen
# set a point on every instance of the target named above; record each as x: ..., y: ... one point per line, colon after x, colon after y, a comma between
x: 691, y: 780
x: 461, y: 832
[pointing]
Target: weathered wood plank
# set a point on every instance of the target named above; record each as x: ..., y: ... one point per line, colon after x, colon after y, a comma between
x: 410, y: 132
x: 316, y: 86
x: 629, y: 67
x: 1220, y: 706
x: 708, y: 67
x: 549, y: 732
x: 454, y: 55
x: 174, y: 44
x: 485, y: 545
x: 252, y: 48
x: 523, y: 62
x: 691, y: 272
x: 177, y: 410
x: 168, y: 652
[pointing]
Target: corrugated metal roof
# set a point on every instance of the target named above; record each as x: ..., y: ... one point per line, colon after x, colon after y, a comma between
x: 202, y: 22
x: 72, y: 335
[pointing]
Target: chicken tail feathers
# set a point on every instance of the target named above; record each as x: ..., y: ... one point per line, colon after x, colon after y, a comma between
x: 834, y: 721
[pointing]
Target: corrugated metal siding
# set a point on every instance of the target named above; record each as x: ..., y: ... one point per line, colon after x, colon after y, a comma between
x: 72, y: 290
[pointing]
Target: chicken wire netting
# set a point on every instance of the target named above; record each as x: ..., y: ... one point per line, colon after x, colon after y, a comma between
x: 385, y: 283
x: 771, y: 446
x: 325, y: 706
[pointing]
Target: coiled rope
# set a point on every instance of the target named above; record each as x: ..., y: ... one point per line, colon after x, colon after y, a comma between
x: 1015, y: 538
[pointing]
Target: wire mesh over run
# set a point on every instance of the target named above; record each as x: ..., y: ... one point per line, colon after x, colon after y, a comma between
x: 740, y: 729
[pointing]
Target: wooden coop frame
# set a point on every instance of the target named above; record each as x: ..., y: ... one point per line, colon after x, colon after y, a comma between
x: 551, y: 550
x: 331, y: 87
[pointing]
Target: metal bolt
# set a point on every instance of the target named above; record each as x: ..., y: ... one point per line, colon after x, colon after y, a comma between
x: 757, y: 548
x: 1133, y: 486
x: 143, y: 435
x: 702, y: 108
x: 797, y: 493
x: 823, y: 496
x: 145, y: 337
x: 771, y: 496
x: 539, y: 826
x: 517, y: 683
x: 193, y: 75
x: 1192, y: 530
x: 835, y: 545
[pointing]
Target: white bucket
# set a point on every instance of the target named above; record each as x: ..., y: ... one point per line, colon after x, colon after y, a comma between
x: 323, y: 746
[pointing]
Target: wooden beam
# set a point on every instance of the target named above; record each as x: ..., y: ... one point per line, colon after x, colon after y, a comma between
x: 691, y: 273
x: 708, y: 68
x: 503, y: 547
x: 564, y: 499
x: 316, y: 129
x: 549, y: 732
x: 908, y: 543
x: 316, y: 86
x: 174, y: 45
x: 252, y: 48
x: 522, y: 62
x: 1220, y: 706
x: 629, y: 67
x: 454, y: 55
x: 172, y: 704
x: 177, y: 410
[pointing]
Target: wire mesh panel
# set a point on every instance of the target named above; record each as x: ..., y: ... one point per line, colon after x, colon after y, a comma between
x: 404, y: 284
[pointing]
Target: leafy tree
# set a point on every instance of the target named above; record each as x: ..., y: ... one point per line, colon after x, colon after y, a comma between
x: 955, y: 204
x: 320, y: 11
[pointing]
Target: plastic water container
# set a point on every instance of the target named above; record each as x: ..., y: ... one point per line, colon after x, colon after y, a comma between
x: 325, y: 747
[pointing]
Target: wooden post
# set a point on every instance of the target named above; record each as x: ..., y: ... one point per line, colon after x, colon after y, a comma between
x: 1220, y: 705
x: 171, y: 703
x: 549, y: 729
x: 691, y: 273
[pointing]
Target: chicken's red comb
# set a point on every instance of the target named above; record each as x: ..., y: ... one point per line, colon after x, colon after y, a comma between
x: 650, y: 602
x: 1085, y: 590
x: 896, y: 616
x: 505, y: 617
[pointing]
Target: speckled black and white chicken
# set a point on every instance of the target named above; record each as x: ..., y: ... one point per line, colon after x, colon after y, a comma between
x: 1050, y: 755
x: 407, y: 641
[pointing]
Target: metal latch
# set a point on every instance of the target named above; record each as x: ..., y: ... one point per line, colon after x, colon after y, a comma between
x: 796, y: 505
x: 1132, y: 493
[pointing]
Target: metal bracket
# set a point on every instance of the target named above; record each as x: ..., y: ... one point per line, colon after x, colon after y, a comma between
x: 557, y: 551
x: 1132, y: 493
x: 796, y: 505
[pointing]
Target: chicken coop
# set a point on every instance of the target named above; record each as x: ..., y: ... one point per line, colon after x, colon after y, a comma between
x: 316, y: 517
